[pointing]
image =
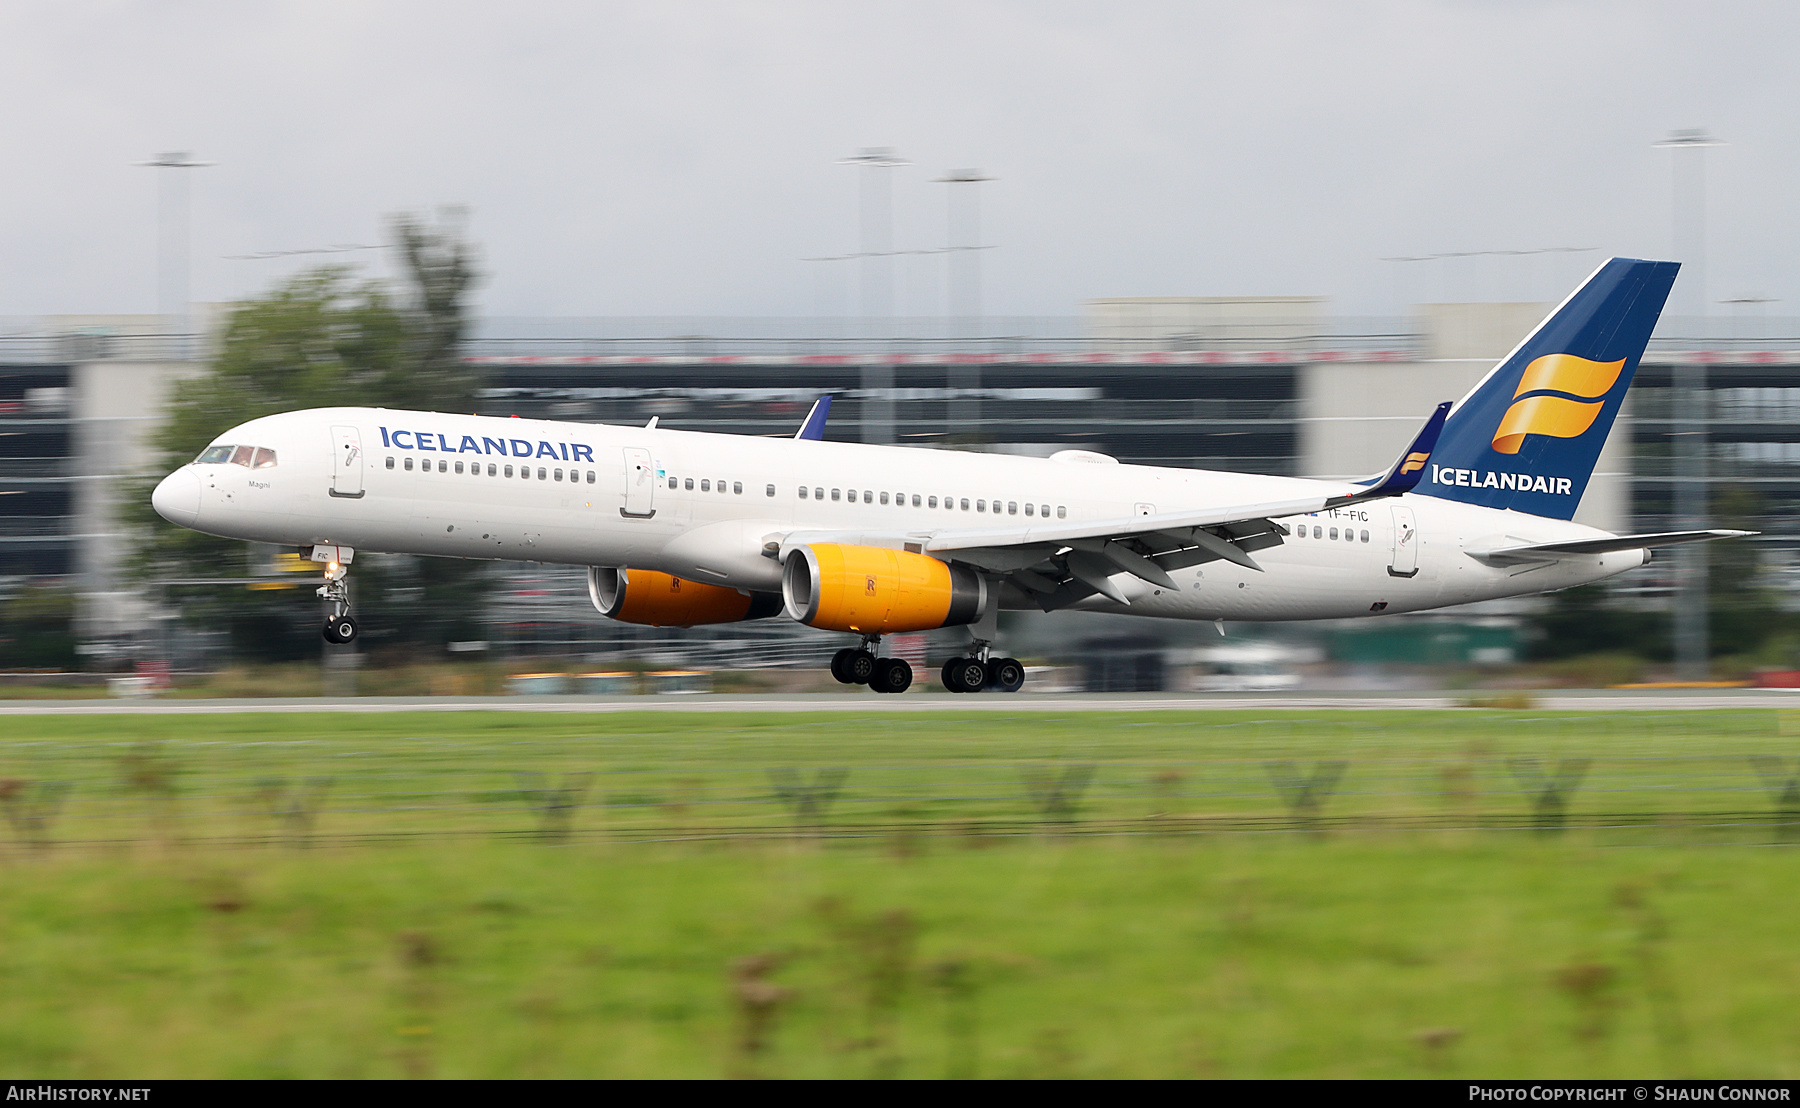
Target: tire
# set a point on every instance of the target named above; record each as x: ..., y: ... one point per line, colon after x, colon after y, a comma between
x: 964, y: 675
x: 1005, y: 674
x: 859, y: 667
x: 341, y: 630
x: 837, y: 665
x: 892, y: 675
x: 329, y: 631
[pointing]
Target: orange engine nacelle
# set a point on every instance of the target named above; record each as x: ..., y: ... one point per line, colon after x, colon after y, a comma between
x: 657, y: 599
x: 876, y: 591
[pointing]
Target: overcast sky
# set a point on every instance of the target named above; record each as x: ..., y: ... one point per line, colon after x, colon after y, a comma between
x: 675, y: 158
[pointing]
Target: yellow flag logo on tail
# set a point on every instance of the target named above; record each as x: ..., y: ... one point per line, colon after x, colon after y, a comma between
x: 1556, y: 416
x: 1414, y: 462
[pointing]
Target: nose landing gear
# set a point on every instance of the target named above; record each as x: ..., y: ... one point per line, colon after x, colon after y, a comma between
x: 340, y: 627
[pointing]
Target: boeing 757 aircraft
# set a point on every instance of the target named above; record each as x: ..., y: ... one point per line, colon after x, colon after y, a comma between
x: 681, y: 528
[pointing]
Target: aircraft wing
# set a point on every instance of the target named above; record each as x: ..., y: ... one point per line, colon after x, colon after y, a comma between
x: 1058, y: 563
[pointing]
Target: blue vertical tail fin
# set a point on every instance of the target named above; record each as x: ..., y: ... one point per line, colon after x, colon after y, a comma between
x: 1527, y: 437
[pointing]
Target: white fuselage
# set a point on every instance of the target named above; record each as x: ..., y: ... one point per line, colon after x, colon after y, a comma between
x: 341, y: 476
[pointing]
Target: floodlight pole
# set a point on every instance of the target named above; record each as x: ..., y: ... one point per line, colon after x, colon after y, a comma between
x: 1691, y: 418
x: 877, y: 417
x: 172, y: 238
x: 963, y: 300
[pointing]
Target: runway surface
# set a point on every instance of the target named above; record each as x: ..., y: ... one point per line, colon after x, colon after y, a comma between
x: 1561, y: 700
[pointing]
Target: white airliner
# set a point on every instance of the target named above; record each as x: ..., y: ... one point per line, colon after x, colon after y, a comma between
x: 683, y: 528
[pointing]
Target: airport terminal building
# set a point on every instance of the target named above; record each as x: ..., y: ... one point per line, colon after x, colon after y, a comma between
x: 1267, y: 385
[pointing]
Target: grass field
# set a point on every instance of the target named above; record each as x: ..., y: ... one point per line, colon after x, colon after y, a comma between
x: 1206, y: 894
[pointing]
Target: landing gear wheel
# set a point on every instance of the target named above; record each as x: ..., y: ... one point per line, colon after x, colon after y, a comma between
x: 892, y: 675
x: 857, y: 668
x: 838, y: 662
x: 964, y: 675
x: 340, y: 629
x: 1005, y: 674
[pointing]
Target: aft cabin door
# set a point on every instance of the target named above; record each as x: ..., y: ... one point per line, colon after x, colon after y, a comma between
x: 640, y: 484
x: 1405, y: 561
x: 346, y: 462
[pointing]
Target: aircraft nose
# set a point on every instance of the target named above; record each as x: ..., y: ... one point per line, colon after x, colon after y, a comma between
x: 177, y: 498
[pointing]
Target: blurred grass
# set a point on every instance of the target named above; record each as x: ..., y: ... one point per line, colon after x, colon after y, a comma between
x: 188, y: 916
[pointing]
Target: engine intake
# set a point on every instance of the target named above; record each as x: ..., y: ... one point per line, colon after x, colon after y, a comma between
x: 660, y: 600
x: 876, y: 591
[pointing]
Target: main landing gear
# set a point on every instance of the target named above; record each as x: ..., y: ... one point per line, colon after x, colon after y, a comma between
x: 971, y: 675
x: 340, y: 628
x: 858, y: 665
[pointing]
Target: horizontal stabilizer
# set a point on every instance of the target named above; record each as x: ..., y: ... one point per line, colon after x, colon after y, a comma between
x: 1550, y: 551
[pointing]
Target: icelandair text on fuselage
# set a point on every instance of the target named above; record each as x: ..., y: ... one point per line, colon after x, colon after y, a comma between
x: 506, y: 448
x: 1522, y: 482
x: 1627, y: 1093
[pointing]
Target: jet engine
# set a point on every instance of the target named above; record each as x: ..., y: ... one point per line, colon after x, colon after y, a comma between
x: 876, y: 591
x: 659, y: 600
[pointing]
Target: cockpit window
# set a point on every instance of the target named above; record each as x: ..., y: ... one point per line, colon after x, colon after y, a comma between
x: 214, y: 454
x: 242, y: 455
x: 265, y: 458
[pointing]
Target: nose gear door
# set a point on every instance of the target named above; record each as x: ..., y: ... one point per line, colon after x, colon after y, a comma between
x: 346, y: 462
x: 640, y: 484
x: 1405, y: 560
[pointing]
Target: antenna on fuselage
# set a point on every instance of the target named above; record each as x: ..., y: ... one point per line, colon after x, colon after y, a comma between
x: 651, y: 426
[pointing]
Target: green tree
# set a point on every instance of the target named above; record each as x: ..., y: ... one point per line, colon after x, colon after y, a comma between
x: 1743, y: 608
x: 322, y: 338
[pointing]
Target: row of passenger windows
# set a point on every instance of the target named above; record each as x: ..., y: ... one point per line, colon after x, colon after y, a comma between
x: 870, y: 496
x: 706, y: 485
x: 1319, y: 532
x: 253, y: 457
x: 493, y: 470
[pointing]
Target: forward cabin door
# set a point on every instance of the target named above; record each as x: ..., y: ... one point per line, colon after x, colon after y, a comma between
x: 640, y: 484
x: 346, y: 462
x: 1405, y: 560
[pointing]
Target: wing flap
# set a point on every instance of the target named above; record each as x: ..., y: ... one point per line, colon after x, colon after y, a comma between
x: 1551, y: 551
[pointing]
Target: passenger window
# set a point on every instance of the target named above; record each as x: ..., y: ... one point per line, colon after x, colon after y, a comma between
x: 540, y: 473
x: 242, y: 456
x: 1029, y: 509
x: 834, y: 494
x: 459, y: 466
x: 1333, y: 533
x: 490, y: 469
x: 443, y: 466
x: 1012, y: 507
x: 981, y: 505
x: 1062, y: 511
x: 674, y: 482
x: 868, y: 497
x: 509, y: 471
x: 214, y: 454
x: 390, y: 463
x: 737, y: 488
x: 1365, y: 536
x: 721, y: 486
x: 931, y: 502
x: 803, y: 492
x: 408, y: 465
x: 770, y: 491
x: 965, y: 504
x: 265, y: 458
x: 590, y: 476
x: 558, y: 475
x: 705, y: 485
x: 915, y: 500
x: 1044, y: 510
x: 688, y: 484
x: 818, y: 493
x: 884, y: 498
